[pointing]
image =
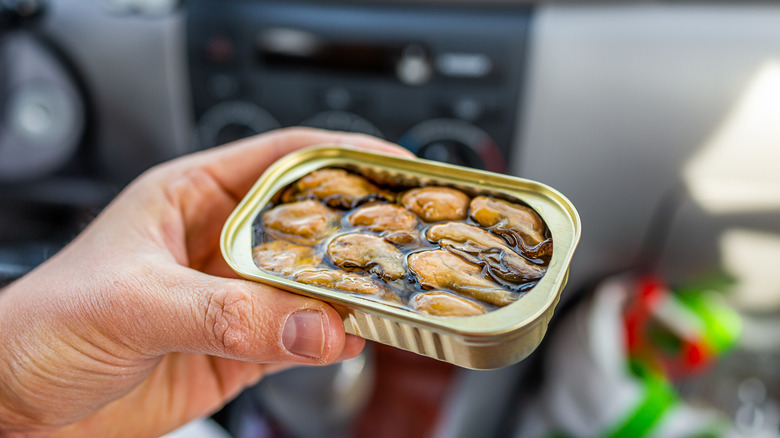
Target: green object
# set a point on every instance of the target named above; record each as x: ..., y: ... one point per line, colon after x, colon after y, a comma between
x: 659, y: 397
x: 721, y: 324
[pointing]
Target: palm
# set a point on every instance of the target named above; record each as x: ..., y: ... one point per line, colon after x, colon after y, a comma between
x: 136, y: 330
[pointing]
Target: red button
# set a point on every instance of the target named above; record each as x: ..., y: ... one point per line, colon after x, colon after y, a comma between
x: 220, y: 50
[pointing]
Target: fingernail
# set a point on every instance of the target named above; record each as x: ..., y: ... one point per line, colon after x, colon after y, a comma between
x: 303, y: 333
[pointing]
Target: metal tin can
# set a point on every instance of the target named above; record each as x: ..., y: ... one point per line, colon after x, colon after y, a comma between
x: 495, y: 339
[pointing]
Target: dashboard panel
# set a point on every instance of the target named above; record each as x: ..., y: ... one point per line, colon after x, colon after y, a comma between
x: 442, y: 81
x: 625, y: 107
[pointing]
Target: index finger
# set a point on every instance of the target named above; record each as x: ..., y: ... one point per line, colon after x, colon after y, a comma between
x: 237, y: 165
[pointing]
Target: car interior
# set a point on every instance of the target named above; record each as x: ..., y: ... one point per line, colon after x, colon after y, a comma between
x: 659, y: 121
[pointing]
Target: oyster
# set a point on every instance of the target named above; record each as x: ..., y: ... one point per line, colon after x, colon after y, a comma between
x: 440, y: 269
x: 336, y: 188
x: 367, y: 252
x: 395, y: 223
x: 347, y: 281
x: 483, y: 248
x: 284, y: 257
x: 516, y: 223
x: 444, y: 304
x: 435, y: 204
x: 303, y: 222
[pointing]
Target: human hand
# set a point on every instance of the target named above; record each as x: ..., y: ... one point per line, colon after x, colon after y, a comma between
x: 135, y: 328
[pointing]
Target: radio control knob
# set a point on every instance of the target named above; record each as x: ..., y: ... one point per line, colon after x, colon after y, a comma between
x: 42, y: 112
x: 453, y: 152
x: 414, y: 67
x: 342, y: 121
x: 456, y: 142
x: 233, y: 120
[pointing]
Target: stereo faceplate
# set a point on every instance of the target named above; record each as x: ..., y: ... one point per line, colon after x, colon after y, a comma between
x: 444, y: 80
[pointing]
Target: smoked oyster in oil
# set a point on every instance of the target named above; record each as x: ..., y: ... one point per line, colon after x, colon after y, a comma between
x: 434, y: 250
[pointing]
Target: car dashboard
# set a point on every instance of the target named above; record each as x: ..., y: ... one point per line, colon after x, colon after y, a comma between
x: 658, y: 120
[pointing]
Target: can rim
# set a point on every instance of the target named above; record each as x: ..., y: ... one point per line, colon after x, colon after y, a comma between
x: 555, y: 209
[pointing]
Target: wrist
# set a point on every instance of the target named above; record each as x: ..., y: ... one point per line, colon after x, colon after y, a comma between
x: 12, y: 422
x: 20, y: 367
x: 10, y: 272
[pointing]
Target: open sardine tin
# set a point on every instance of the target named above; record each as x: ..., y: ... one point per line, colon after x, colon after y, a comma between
x: 496, y: 339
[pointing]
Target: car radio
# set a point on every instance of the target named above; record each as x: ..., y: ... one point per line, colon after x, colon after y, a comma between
x: 442, y: 80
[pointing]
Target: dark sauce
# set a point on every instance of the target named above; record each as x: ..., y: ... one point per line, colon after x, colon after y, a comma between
x: 407, y: 286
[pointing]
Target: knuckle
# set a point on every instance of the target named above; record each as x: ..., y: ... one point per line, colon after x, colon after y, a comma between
x: 295, y: 130
x: 228, y: 321
x: 155, y: 175
x: 191, y: 184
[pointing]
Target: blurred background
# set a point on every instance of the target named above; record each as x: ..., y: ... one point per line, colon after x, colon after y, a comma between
x: 659, y: 120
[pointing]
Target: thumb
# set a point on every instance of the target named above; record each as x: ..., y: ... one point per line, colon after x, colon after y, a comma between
x: 244, y: 320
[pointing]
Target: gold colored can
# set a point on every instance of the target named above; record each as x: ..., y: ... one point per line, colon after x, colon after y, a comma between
x: 496, y: 339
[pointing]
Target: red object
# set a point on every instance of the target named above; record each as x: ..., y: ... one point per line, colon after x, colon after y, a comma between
x: 697, y: 356
x: 640, y: 316
x: 220, y: 49
x: 639, y: 312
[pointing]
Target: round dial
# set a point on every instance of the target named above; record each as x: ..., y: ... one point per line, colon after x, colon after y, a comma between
x: 342, y: 121
x: 42, y: 112
x: 456, y: 142
x: 233, y: 120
